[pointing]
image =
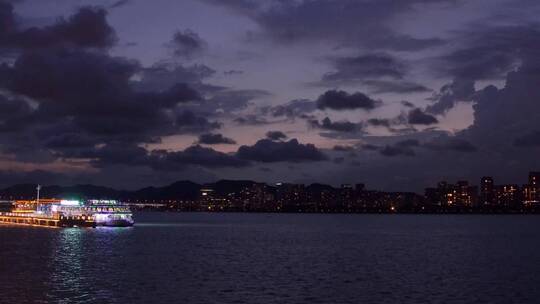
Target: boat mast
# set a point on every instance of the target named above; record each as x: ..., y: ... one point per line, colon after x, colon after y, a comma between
x: 37, y: 198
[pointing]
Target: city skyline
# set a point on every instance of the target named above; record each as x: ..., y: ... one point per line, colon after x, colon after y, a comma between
x: 400, y: 93
x: 252, y: 196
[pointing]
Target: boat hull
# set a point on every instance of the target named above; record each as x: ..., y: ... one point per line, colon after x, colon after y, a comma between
x: 116, y: 223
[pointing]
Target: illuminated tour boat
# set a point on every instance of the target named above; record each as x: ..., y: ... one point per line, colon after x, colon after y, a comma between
x: 68, y: 213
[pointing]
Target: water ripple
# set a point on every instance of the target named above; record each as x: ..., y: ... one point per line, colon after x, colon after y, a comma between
x: 261, y: 258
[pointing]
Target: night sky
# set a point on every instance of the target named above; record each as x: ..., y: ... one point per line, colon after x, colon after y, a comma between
x: 395, y: 94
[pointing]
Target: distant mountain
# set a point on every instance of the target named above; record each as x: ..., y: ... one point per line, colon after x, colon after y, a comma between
x: 228, y: 186
x: 181, y: 190
x: 19, y: 191
x: 184, y: 190
x: 320, y: 188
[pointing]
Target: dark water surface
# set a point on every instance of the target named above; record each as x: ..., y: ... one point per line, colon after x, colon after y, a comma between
x: 277, y: 258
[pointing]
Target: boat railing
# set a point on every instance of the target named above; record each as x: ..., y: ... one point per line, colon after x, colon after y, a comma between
x: 29, y: 215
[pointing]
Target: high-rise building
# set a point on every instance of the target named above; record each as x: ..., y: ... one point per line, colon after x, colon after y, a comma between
x: 291, y: 197
x: 465, y: 195
x: 534, y: 179
x: 531, y: 191
x: 347, y: 197
x: 507, y: 196
x: 529, y: 195
x: 486, y: 191
x: 447, y: 194
x: 360, y: 187
x: 462, y: 194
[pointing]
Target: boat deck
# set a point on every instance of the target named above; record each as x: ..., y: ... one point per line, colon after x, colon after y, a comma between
x: 8, y: 218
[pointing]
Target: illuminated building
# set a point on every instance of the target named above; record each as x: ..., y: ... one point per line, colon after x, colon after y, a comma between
x: 346, y: 197
x: 507, y: 196
x: 531, y: 191
x: 486, y: 191
x: 447, y: 194
x: 292, y: 197
x: 210, y: 201
x: 465, y: 195
x: 534, y: 179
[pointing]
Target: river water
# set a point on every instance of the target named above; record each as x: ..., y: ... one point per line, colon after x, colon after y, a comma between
x: 277, y: 258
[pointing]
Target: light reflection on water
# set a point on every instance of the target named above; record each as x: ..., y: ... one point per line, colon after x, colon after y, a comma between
x: 68, y: 280
x: 66, y: 264
x: 78, y: 258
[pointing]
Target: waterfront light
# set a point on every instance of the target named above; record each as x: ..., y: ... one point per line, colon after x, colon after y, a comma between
x: 70, y: 203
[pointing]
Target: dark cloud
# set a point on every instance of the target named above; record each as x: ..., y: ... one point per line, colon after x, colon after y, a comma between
x: 233, y: 72
x: 12, y: 112
x: 100, y: 101
x: 56, y: 75
x: 459, y: 90
x: 489, y: 52
x: 359, y: 68
x: 408, y: 143
x: 79, y: 103
x: 400, y: 87
x: 400, y: 148
x: 341, y: 100
x: 189, y: 122
x: 171, y: 97
x: 339, y: 160
x: 486, y: 52
x: 418, y: 117
x: 396, y: 151
x: 229, y: 100
x: 268, y: 151
x: 294, y: 108
x: 370, y: 147
x: 379, y: 122
x: 407, y: 104
x: 250, y: 120
x: 161, y: 160
x: 402, y: 130
x: 7, y: 19
x: 162, y: 76
x: 87, y: 28
x: 69, y: 140
x: 506, y: 117
x: 450, y: 144
x: 276, y: 135
x: 120, y: 3
x: 215, y: 139
x: 341, y: 148
x: 351, y: 23
x: 337, y: 126
x: 187, y: 44
x: 114, y: 154
x: 194, y: 155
